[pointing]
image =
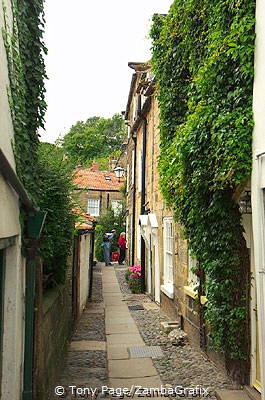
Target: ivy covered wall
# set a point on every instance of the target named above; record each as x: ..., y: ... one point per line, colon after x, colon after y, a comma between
x: 203, y: 63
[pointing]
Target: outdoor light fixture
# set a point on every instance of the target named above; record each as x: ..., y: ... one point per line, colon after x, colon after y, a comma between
x: 119, y: 172
x: 245, y: 203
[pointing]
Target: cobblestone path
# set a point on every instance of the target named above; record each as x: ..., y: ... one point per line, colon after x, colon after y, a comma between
x: 86, y: 360
x: 100, y: 353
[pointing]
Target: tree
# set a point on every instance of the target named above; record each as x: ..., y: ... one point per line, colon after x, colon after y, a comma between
x: 95, y: 138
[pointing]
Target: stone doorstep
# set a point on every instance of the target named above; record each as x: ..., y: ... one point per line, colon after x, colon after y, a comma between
x: 151, y: 306
x: 168, y: 326
x: 84, y: 345
x: 224, y: 394
x: 132, y: 368
x: 252, y: 393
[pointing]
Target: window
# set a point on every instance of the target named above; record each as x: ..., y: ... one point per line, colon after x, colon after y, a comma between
x: 93, y: 207
x: 168, y: 250
x: 116, y: 206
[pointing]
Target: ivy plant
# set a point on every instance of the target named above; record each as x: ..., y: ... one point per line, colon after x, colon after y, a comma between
x: 202, y: 57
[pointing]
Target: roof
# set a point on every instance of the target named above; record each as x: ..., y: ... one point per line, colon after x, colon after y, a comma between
x: 87, y: 178
x: 83, y: 226
x: 138, y: 67
x: 86, y: 222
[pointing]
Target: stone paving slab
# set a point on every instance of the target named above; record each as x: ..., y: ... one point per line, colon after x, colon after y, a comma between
x: 85, y: 345
x: 131, y: 339
x: 121, y: 328
x: 132, y: 368
x: 117, y: 308
x: 149, y: 382
x: 117, y: 353
x: 111, y: 290
x: 231, y: 395
x: 111, y: 295
x: 119, y: 321
x: 112, y: 301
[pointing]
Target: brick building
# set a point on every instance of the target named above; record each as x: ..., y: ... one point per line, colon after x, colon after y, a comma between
x: 97, y: 191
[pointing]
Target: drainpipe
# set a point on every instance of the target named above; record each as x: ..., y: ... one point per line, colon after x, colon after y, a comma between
x: 92, y: 261
x: 134, y: 201
x: 143, y: 204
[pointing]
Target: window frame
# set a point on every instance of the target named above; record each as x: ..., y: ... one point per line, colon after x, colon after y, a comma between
x: 92, y: 214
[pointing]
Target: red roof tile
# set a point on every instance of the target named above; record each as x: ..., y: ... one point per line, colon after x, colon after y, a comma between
x: 87, y: 178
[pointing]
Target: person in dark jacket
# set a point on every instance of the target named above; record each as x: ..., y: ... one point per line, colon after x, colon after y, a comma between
x: 122, y: 243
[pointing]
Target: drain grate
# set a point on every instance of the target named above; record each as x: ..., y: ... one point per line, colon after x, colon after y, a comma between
x: 145, y: 351
x: 136, y: 307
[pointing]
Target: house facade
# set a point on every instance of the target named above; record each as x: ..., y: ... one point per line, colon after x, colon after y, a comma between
x: 156, y: 240
x: 12, y: 263
x: 97, y: 191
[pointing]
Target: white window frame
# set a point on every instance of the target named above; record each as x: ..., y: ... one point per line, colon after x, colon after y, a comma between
x: 93, y: 207
x: 168, y: 233
x: 193, y: 279
x: 116, y: 206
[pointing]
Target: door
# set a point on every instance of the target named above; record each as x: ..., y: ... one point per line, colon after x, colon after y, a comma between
x: 150, y: 268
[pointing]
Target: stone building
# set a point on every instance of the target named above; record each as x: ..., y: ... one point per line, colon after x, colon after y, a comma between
x: 97, y: 191
x: 155, y: 239
x: 12, y: 263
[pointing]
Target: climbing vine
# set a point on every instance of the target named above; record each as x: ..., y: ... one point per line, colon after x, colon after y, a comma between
x: 203, y: 64
x: 25, y: 50
x: 40, y: 167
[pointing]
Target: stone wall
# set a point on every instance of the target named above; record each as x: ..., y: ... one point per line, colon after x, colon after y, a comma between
x: 57, y: 327
x: 53, y: 329
x: 105, y: 197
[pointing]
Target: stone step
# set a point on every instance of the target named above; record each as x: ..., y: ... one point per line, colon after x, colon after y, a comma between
x: 252, y: 393
x: 225, y: 394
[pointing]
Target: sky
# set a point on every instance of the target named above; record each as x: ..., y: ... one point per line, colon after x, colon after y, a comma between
x: 90, y: 43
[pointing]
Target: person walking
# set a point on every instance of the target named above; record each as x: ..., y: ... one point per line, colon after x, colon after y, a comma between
x: 122, y: 243
x: 106, y: 244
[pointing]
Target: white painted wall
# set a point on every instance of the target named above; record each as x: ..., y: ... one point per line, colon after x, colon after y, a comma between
x: 258, y: 175
x: 13, y: 337
x: 84, y: 270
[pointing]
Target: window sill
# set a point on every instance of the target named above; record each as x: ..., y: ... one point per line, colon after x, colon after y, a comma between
x: 191, y: 292
x: 168, y: 290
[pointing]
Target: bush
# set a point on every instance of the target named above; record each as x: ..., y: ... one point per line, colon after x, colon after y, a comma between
x: 55, y: 187
x: 133, y: 277
x: 106, y: 223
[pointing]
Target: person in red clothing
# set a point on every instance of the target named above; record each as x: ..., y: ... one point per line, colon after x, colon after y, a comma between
x: 122, y: 243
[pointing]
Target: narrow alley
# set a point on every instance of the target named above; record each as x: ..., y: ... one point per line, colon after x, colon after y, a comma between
x: 119, y: 344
